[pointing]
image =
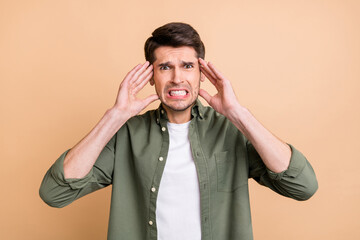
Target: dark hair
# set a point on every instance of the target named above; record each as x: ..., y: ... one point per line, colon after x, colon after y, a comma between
x: 175, y: 34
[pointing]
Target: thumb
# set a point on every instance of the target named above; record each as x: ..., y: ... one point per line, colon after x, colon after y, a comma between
x: 205, y: 95
x: 150, y: 99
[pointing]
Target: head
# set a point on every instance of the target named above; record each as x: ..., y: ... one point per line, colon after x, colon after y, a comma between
x: 174, y: 49
x: 175, y: 34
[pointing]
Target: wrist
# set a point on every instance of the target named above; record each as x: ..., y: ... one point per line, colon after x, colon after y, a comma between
x: 237, y: 112
x: 238, y: 115
x: 116, y: 117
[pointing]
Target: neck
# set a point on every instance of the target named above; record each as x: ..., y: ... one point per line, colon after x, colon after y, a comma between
x: 178, y: 116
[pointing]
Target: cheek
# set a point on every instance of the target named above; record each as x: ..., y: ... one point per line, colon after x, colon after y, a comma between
x: 157, y: 82
x: 159, y: 88
x: 196, y: 84
x: 196, y: 88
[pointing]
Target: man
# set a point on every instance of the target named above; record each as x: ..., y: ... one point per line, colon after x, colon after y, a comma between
x: 180, y: 171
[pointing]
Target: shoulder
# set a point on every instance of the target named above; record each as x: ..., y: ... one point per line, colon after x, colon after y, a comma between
x: 142, y: 119
x: 211, y: 118
x: 215, y: 124
x: 139, y: 126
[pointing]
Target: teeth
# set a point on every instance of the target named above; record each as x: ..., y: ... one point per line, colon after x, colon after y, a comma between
x: 178, y: 93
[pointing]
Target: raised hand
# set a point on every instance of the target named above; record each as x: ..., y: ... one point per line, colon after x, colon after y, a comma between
x: 81, y: 158
x: 224, y: 101
x: 127, y: 102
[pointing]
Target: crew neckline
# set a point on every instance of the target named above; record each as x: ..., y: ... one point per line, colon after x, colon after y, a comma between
x: 178, y: 126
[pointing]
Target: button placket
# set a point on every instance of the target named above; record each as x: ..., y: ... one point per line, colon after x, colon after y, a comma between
x: 202, y: 170
x: 161, y: 121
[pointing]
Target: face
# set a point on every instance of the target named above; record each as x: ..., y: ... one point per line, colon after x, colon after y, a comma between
x: 176, y: 77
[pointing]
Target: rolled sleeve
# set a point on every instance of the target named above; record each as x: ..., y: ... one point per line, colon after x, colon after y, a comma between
x: 296, y: 166
x: 58, y: 191
x: 57, y: 172
x: 298, y: 181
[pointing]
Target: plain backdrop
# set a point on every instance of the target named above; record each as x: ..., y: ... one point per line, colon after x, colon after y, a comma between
x: 294, y: 64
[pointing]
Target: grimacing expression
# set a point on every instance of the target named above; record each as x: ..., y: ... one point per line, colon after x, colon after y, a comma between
x: 176, y: 76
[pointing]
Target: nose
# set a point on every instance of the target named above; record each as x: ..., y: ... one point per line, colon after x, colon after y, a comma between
x: 177, y: 76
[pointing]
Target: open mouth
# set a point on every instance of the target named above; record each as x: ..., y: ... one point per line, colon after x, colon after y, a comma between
x: 178, y: 93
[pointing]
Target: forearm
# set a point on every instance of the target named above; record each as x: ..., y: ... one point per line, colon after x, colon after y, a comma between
x: 275, y: 153
x: 81, y: 158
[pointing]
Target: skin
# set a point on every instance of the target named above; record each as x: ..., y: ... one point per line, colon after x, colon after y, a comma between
x: 176, y: 74
x: 274, y: 152
x: 177, y: 69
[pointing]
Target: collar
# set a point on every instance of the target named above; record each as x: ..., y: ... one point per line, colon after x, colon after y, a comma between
x: 196, y: 111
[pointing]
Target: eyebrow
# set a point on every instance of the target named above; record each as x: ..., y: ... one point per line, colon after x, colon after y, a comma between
x: 169, y: 63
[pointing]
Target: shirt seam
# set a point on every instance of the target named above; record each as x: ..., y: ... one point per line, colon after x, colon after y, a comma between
x: 207, y: 177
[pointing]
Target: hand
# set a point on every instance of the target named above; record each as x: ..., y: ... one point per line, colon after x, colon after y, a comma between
x: 225, y: 100
x: 126, y: 102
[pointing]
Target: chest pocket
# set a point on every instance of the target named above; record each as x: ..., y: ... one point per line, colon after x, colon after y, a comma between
x: 231, y: 171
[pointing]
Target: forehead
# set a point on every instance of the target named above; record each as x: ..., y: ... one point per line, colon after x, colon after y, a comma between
x: 172, y: 54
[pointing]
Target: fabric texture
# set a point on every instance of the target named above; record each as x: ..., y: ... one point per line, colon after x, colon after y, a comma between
x: 224, y: 161
x: 178, y: 200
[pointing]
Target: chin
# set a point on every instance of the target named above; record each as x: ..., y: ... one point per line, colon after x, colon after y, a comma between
x: 179, y: 107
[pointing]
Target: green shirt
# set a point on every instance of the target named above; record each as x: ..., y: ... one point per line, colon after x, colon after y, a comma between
x: 133, y: 162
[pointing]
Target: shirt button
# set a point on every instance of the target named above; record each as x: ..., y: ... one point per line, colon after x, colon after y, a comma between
x: 161, y: 159
x: 151, y: 223
x: 163, y: 129
x: 198, y: 154
x: 162, y: 111
x: 157, y: 120
x: 153, y: 189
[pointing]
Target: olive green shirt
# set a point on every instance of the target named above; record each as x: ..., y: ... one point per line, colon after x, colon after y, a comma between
x: 133, y: 162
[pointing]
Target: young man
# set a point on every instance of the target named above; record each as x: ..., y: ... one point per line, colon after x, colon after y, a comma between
x: 180, y: 171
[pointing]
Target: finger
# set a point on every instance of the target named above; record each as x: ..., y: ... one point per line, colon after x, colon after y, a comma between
x: 205, y: 72
x: 209, y: 77
x: 215, y: 71
x: 130, y: 74
x: 139, y: 72
x: 150, y: 99
x: 144, y: 75
x: 141, y: 84
x: 205, y: 95
x: 205, y: 67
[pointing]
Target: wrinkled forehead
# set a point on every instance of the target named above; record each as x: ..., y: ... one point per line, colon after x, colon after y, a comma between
x: 175, y: 55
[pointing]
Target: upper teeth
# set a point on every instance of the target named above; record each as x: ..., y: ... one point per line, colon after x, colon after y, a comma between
x: 178, y: 93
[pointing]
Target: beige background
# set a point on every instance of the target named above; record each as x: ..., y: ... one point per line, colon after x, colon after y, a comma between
x: 294, y: 64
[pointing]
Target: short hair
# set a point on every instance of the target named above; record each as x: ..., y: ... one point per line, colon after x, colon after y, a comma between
x: 175, y: 34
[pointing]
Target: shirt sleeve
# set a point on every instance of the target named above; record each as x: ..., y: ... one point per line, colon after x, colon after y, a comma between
x: 298, y: 181
x: 58, y: 191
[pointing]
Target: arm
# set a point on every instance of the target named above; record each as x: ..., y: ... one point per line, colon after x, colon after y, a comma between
x: 85, y: 168
x: 274, y: 152
x: 264, y: 148
x: 82, y: 156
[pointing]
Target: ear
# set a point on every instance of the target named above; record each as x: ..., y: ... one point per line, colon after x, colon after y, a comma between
x: 152, y: 82
x: 202, y: 77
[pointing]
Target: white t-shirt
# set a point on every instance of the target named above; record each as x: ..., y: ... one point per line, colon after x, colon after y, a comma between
x: 178, y: 203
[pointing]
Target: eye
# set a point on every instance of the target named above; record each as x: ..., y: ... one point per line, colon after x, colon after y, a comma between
x: 189, y: 66
x: 164, y: 68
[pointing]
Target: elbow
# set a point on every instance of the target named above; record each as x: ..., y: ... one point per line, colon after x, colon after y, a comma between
x: 52, y: 195
x: 308, y: 191
x: 49, y: 199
